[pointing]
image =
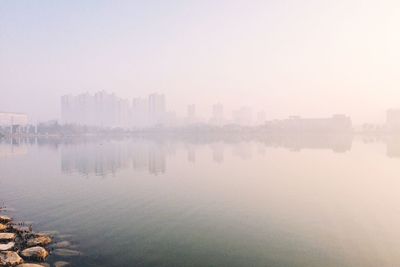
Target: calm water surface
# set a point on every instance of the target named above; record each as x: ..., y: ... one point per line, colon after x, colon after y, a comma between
x: 274, y: 201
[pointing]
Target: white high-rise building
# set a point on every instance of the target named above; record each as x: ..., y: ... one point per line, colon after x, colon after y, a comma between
x: 101, y: 109
x: 393, y: 120
x: 191, y: 114
x: 157, y: 109
x: 140, y: 114
x: 217, y: 117
x: 107, y: 110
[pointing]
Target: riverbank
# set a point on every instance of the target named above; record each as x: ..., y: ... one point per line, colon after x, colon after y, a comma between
x: 21, y: 246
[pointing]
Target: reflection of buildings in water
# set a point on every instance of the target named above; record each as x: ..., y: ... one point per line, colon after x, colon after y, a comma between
x: 103, y: 157
x: 191, y: 150
x: 156, y: 158
x: 218, y: 152
x: 97, y: 158
x: 243, y: 150
x: 12, y: 150
x: 106, y: 158
x: 296, y: 142
x: 148, y: 156
x: 393, y: 146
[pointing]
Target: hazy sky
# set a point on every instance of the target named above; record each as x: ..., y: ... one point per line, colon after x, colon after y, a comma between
x: 309, y: 58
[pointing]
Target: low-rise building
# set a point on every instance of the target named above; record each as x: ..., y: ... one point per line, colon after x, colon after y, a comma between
x: 11, y: 119
x: 336, y: 123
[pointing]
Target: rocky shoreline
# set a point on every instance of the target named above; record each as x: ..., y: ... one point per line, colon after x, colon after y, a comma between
x: 22, y: 247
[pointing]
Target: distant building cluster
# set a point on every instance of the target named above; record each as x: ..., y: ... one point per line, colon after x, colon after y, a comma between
x: 13, y: 123
x: 336, y: 123
x: 107, y: 110
x: 10, y: 119
x: 103, y: 109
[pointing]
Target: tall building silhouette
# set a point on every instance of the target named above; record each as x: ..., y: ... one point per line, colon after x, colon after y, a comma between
x: 191, y: 114
x: 107, y: 110
x: 393, y: 120
x: 217, y: 117
x: 157, y: 109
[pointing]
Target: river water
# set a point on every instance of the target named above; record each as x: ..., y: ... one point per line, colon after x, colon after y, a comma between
x: 272, y: 201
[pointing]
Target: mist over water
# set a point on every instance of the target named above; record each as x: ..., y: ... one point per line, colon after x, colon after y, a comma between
x: 320, y: 200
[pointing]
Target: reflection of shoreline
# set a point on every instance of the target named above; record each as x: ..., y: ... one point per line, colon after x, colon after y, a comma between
x: 12, y: 147
x: 393, y: 146
x: 104, y: 156
x: 295, y: 142
x: 149, y: 153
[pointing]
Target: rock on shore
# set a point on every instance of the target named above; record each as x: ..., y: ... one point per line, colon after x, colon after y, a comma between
x: 61, y: 264
x: 3, y: 227
x: 5, y: 219
x: 7, y: 236
x: 18, y: 243
x: 30, y: 265
x: 35, y: 253
x: 10, y: 258
x: 39, y: 241
x: 8, y: 246
x: 66, y: 252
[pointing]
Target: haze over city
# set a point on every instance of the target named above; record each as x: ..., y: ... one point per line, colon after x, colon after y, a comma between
x: 313, y: 58
x: 198, y: 133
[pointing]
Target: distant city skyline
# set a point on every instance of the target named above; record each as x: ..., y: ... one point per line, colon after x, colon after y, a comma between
x: 203, y: 110
x: 284, y: 57
x: 106, y: 109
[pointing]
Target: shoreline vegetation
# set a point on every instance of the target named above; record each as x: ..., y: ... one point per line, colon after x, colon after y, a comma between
x: 66, y: 131
x: 21, y: 246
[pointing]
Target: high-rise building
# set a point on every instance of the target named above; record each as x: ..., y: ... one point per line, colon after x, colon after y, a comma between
x: 101, y: 109
x: 191, y: 114
x: 107, y: 110
x: 157, y: 109
x: 140, y: 112
x: 191, y: 110
x: 261, y: 117
x: 217, y: 117
x: 393, y: 120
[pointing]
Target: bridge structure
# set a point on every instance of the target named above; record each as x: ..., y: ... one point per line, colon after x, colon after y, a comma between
x: 13, y: 123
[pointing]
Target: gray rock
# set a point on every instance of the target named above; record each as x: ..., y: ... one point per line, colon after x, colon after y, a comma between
x: 21, y: 229
x: 48, y: 233
x: 7, y: 246
x: 64, y: 236
x: 36, y: 253
x: 62, y: 244
x: 61, y: 264
x: 66, y: 252
x: 10, y: 258
x: 7, y: 236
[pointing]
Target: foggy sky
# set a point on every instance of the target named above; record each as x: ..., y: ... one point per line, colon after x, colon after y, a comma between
x: 287, y: 57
